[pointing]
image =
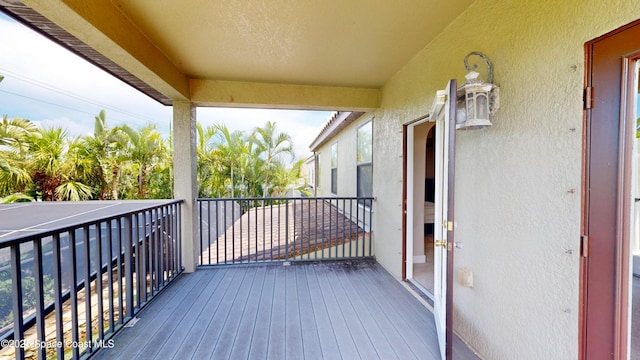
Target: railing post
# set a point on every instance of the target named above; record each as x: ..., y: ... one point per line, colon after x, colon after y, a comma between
x: 200, y: 226
x: 370, y: 226
x: 99, y: 289
x: 110, y: 273
x: 119, y: 272
x: 137, y: 264
x: 286, y: 227
x: 38, y: 274
x: 73, y: 288
x: 16, y: 287
x: 128, y: 264
x: 57, y: 293
x: 87, y: 285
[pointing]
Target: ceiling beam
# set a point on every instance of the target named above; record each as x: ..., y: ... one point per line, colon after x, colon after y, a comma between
x: 100, y: 25
x: 282, y: 96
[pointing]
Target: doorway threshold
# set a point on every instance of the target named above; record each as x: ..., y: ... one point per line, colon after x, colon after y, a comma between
x: 420, y: 291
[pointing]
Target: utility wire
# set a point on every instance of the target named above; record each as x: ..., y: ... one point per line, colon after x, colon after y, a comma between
x: 54, y: 104
x: 71, y: 95
x: 46, y: 102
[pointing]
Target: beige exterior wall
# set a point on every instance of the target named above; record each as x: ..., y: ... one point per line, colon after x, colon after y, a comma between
x: 518, y: 182
x: 347, y: 142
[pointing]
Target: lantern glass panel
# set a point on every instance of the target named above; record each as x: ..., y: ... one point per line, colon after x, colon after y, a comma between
x: 471, y: 114
x: 482, y: 106
x: 461, y: 110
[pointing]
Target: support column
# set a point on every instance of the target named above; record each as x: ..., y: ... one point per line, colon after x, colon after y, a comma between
x: 185, y: 179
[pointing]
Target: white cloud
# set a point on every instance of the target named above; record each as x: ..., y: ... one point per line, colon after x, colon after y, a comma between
x: 73, y: 129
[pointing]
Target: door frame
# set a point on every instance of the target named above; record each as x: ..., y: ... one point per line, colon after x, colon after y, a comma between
x: 408, y: 193
x: 449, y: 147
x: 606, y: 179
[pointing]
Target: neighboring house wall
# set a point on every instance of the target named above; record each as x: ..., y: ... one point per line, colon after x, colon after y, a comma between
x: 517, y: 183
x: 346, y: 142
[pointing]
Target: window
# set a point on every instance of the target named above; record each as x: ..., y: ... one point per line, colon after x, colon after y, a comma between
x: 318, y: 177
x: 311, y: 174
x: 364, y: 160
x: 334, y: 169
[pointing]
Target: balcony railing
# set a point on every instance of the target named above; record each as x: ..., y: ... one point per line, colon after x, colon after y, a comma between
x: 72, y: 288
x: 256, y: 230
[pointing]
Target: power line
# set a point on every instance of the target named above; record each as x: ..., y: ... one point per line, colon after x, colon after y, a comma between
x: 50, y: 103
x: 71, y: 95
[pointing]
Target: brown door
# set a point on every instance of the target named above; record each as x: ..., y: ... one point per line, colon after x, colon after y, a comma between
x: 604, y: 264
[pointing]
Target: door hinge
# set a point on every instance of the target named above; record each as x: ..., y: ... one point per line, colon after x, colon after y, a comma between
x: 584, y: 246
x: 588, y: 97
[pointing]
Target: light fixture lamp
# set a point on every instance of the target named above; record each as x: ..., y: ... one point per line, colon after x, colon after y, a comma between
x: 477, y: 100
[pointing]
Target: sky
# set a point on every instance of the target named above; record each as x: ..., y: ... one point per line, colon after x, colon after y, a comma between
x: 49, y: 85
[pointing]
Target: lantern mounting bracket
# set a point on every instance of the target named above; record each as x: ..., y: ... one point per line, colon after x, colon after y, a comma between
x: 475, y: 66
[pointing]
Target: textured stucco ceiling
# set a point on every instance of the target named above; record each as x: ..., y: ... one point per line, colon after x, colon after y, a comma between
x: 359, y: 43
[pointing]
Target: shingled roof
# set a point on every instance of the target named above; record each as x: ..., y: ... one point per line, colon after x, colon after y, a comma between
x: 272, y: 232
x: 338, y: 121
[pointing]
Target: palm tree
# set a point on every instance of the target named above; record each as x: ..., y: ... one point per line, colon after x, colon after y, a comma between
x: 145, y: 149
x: 285, y: 180
x: 106, y: 150
x: 273, y: 146
x: 15, y: 136
x: 15, y: 198
x: 57, y: 174
x: 16, y: 132
x: 207, y: 154
x: 231, y: 147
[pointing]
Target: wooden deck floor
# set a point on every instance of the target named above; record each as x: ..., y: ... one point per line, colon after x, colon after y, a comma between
x: 303, y: 311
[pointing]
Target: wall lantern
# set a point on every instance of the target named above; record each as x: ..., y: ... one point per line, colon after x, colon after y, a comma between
x: 477, y: 100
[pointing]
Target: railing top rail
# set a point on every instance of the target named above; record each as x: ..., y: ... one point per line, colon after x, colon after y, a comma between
x: 145, y: 205
x: 289, y: 198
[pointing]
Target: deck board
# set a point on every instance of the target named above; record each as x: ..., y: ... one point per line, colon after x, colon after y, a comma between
x: 277, y: 329
x: 224, y: 345
x: 303, y: 311
x: 310, y: 337
x: 260, y: 336
x: 163, y: 345
x: 361, y: 340
x: 162, y: 334
x: 326, y: 334
x: 293, y: 343
x: 346, y: 344
x: 190, y: 339
x: 243, y: 338
x: 371, y: 326
x: 168, y: 300
x: 383, y: 321
x: 216, y: 322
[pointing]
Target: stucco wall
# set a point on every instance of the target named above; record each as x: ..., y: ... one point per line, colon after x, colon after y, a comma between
x: 347, y: 143
x: 518, y: 182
